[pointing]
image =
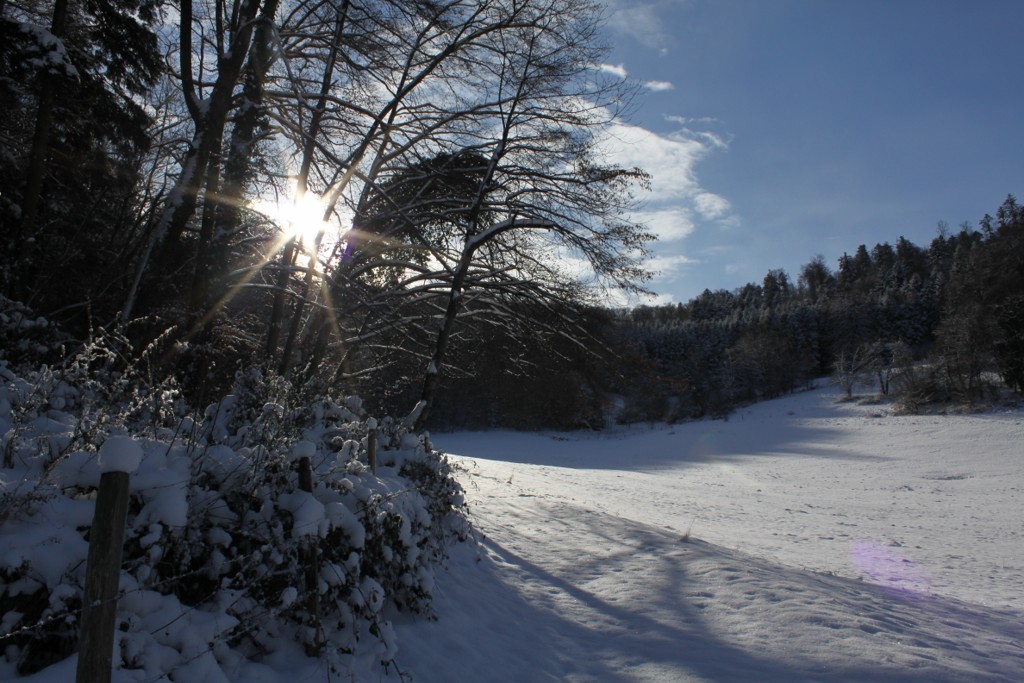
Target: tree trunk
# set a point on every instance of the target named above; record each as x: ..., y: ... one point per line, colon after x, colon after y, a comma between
x: 210, y: 120
x: 37, y: 159
x: 433, y: 373
x: 205, y: 256
x: 474, y: 239
x: 238, y: 161
x: 281, y: 289
x: 103, y: 573
x: 302, y: 186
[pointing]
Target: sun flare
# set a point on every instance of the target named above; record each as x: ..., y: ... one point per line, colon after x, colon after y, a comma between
x: 302, y: 218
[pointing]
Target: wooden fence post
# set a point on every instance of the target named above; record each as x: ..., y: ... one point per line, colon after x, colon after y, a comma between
x: 102, y: 574
x: 119, y: 457
x: 371, y: 450
x: 310, y: 557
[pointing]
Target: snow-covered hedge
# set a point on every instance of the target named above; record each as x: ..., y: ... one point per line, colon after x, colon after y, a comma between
x: 221, y: 543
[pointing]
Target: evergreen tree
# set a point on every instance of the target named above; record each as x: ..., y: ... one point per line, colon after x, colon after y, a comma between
x: 72, y: 162
x: 1003, y: 291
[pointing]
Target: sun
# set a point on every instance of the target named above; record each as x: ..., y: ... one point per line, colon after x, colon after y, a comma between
x: 301, y: 218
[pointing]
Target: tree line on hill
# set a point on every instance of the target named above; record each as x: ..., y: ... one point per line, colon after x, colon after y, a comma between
x: 943, y: 323
x: 926, y: 325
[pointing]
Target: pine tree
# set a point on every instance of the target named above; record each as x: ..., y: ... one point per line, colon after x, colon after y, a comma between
x: 73, y: 161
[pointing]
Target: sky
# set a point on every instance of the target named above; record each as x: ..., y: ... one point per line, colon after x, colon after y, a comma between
x: 778, y: 130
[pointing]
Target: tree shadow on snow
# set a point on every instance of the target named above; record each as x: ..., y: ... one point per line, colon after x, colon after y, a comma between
x: 804, y: 425
x: 640, y: 604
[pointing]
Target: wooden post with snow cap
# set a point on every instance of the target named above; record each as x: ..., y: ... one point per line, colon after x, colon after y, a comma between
x: 371, y: 445
x: 119, y: 458
x: 303, y: 452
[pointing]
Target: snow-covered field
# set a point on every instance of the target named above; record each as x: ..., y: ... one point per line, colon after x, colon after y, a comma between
x: 801, y: 540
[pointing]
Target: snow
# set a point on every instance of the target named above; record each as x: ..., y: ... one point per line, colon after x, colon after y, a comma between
x: 308, y: 513
x: 120, y: 454
x: 289, y: 595
x: 303, y: 449
x: 415, y: 413
x: 343, y: 518
x: 47, y: 547
x: 54, y: 55
x: 803, y: 539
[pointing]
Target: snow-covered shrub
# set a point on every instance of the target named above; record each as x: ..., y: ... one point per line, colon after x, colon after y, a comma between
x: 47, y: 411
x: 26, y: 337
x: 225, y: 556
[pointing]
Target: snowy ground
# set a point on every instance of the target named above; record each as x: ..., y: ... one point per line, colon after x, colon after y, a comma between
x: 801, y: 540
x: 826, y: 542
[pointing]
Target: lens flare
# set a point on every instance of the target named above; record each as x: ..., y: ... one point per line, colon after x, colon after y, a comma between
x: 885, y: 565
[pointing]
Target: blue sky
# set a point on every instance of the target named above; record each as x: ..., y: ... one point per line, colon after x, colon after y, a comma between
x: 781, y: 129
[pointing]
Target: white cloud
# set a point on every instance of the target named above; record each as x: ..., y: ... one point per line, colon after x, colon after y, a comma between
x: 666, y: 266
x: 669, y: 224
x: 687, y: 121
x: 660, y: 300
x: 677, y: 205
x: 614, y: 69
x: 711, y: 206
x: 691, y: 128
x: 677, y: 201
x: 616, y: 298
x: 669, y: 161
x: 659, y: 86
x: 642, y: 21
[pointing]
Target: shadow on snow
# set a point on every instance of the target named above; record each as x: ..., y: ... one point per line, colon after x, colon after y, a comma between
x: 642, y: 605
x: 801, y: 425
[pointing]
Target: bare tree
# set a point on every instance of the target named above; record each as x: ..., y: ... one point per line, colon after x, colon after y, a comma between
x: 528, y: 192
x: 851, y: 366
x: 458, y: 142
x: 225, y: 40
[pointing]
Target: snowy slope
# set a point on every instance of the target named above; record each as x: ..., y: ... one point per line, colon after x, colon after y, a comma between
x: 827, y: 542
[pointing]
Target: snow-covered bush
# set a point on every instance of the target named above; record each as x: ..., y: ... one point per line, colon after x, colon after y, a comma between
x: 225, y: 556
x: 26, y: 336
